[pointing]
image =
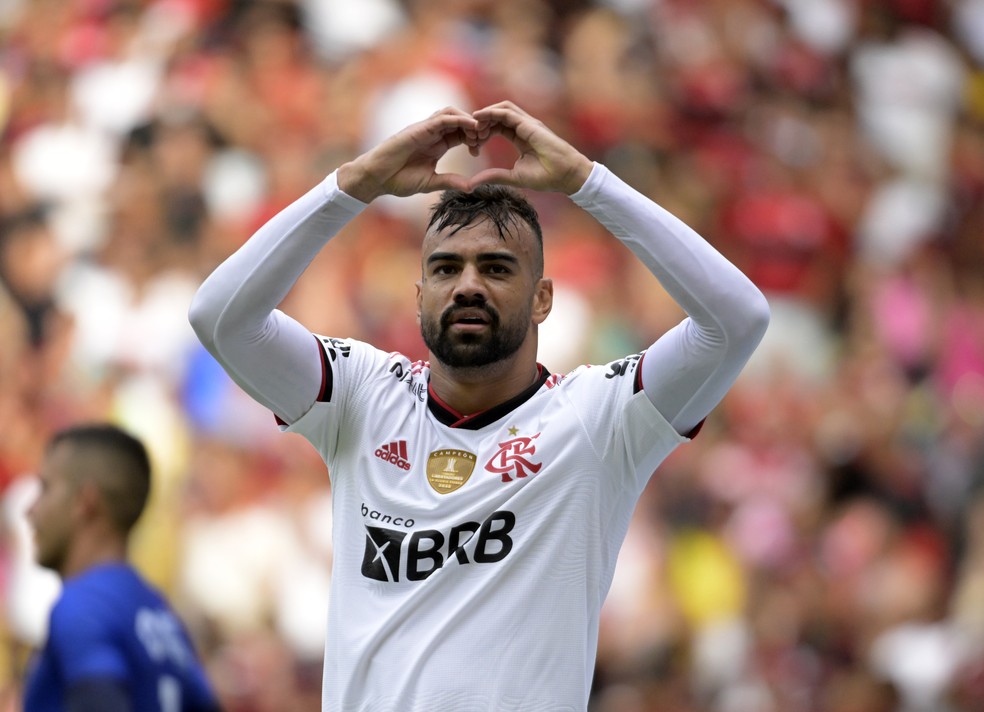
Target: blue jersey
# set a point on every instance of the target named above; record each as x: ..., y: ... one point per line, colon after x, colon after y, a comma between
x: 109, y: 624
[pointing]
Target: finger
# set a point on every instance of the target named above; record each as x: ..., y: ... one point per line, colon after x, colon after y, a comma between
x: 448, y: 181
x: 449, y: 121
x: 501, y: 110
x: 476, y: 144
x: 449, y: 111
x: 499, y: 129
x: 514, y: 127
x: 505, y: 113
x: 487, y: 133
x: 497, y: 176
x: 443, y: 143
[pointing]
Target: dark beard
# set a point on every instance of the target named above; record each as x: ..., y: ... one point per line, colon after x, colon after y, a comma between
x: 473, y: 350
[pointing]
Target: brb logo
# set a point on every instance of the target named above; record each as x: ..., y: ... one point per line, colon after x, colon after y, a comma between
x: 394, y: 555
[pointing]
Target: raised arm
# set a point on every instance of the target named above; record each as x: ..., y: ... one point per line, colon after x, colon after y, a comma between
x: 234, y: 313
x: 688, y: 370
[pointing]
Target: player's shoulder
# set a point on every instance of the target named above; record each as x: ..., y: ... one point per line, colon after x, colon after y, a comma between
x: 104, y: 588
x: 611, y: 374
x: 340, y: 350
x: 338, y: 347
x: 370, y: 362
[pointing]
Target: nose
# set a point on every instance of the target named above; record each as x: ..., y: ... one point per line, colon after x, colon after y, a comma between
x: 469, y: 287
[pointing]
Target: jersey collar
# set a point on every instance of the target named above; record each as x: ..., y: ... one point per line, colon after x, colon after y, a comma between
x: 475, y: 421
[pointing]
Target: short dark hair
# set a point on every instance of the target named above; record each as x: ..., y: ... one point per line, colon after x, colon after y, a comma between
x: 500, y: 205
x: 116, y: 462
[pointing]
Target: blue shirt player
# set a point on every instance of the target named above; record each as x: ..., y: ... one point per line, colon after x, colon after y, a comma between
x: 114, y: 643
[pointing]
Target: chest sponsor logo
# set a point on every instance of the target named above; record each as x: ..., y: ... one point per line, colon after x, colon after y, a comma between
x: 447, y: 470
x: 393, y: 555
x: 514, y: 458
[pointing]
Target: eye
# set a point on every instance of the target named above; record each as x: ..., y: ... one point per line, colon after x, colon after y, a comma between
x: 444, y: 269
x: 497, y: 268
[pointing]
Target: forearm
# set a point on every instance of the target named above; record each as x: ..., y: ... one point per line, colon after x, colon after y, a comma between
x: 690, y: 368
x: 246, y: 287
x: 234, y: 311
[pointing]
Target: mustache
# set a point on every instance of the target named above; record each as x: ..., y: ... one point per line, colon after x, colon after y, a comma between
x: 449, y: 314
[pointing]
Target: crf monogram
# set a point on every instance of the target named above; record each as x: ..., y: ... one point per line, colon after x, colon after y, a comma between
x: 513, y: 458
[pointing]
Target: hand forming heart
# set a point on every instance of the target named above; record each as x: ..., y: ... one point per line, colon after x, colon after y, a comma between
x: 406, y: 163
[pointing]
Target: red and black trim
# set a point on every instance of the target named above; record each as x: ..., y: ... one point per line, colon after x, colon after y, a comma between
x: 637, y: 386
x: 327, y: 384
x: 475, y: 421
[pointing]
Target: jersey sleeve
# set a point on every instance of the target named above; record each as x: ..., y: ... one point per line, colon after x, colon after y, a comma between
x: 629, y: 434
x: 345, y: 398
x: 83, y: 642
x: 688, y: 370
x: 234, y: 313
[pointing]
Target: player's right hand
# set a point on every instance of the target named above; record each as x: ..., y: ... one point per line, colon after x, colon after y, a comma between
x: 406, y: 163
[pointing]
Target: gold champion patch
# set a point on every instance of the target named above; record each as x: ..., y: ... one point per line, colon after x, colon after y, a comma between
x: 447, y: 470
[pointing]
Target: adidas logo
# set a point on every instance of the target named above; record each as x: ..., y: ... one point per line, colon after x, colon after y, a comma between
x: 394, y: 453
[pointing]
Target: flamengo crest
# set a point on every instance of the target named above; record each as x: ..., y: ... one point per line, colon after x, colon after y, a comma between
x: 514, y: 458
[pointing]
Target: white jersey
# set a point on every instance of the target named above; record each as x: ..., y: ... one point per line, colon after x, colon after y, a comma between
x: 473, y: 554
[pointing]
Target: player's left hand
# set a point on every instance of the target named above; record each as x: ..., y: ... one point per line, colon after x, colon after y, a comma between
x: 545, y: 162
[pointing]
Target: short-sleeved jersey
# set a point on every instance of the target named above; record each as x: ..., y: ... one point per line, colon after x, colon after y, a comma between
x: 111, y: 624
x: 472, y: 554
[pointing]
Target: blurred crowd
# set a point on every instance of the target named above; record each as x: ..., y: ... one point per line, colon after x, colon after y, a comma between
x: 819, y: 547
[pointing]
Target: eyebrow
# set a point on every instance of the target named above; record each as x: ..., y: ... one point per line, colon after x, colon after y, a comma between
x: 482, y: 257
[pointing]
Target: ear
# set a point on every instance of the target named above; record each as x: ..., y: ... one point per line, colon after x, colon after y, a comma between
x: 542, y: 300
x: 88, y: 504
x: 419, y: 287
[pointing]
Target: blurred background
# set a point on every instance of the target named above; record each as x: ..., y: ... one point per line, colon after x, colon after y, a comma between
x: 818, y: 548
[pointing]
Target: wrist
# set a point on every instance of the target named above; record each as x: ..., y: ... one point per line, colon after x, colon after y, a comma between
x: 355, y: 181
x: 579, y: 176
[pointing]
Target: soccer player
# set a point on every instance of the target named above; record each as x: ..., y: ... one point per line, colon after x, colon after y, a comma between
x: 114, y: 644
x: 479, y: 500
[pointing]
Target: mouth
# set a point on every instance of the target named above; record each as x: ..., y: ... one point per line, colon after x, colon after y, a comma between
x: 464, y: 327
x: 469, y: 319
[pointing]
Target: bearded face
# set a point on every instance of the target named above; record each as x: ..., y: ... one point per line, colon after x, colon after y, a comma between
x: 469, y: 335
x: 481, y: 295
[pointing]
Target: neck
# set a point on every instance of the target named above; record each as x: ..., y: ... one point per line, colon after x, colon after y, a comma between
x: 472, y: 390
x: 90, y: 551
